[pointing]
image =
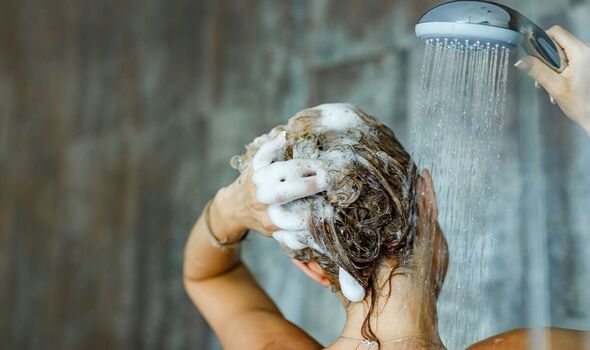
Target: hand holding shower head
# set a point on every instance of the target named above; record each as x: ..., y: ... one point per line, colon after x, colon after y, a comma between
x: 490, y: 22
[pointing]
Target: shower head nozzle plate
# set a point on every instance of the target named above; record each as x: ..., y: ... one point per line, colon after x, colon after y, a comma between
x: 469, y: 31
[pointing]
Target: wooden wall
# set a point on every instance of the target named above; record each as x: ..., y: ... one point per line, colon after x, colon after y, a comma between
x: 117, y: 120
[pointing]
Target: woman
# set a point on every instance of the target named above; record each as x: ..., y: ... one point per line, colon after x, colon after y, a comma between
x: 343, y: 197
x: 373, y: 235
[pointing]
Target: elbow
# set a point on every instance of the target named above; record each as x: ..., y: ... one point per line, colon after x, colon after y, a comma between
x: 192, y: 270
x: 187, y: 279
x: 189, y: 284
x: 191, y: 287
x: 191, y: 281
x: 193, y: 275
x: 190, y: 276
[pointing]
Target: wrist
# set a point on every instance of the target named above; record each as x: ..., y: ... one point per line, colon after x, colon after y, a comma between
x: 224, y: 224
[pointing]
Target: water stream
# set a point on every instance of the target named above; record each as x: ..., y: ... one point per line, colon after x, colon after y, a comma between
x: 456, y: 134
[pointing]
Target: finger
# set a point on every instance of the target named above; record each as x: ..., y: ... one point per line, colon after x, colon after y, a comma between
x: 291, y: 216
x: 298, y: 240
x: 269, y: 151
x: 565, y: 39
x: 553, y: 83
x: 283, y: 182
x: 295, y: 240
x: 290, y: 170
x: 267, y: 226
x: 289, y: 191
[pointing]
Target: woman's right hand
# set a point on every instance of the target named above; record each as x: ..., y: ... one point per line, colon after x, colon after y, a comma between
x: 570, y: 88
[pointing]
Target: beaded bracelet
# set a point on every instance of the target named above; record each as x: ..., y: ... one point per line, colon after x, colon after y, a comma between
x: 216, y: 242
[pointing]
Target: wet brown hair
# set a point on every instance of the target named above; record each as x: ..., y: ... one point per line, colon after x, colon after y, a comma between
x: 373, y: 200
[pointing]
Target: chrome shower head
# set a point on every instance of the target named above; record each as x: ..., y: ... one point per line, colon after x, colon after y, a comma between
x: 492, y: 23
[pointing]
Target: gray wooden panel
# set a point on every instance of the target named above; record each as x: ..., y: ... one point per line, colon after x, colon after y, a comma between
x: 93, y: 219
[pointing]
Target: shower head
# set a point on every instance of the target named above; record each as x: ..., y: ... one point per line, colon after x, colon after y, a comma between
x: 488, y: 22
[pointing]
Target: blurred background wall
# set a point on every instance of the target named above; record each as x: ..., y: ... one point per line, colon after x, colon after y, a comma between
x: 117, y: 121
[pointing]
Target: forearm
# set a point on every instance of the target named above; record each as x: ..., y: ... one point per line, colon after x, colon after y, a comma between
x: 202, y: 258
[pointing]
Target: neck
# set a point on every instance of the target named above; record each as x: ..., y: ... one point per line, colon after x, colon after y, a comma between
x: 409, y: 311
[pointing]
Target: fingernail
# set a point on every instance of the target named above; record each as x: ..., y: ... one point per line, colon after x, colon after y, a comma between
x: 522, y: 65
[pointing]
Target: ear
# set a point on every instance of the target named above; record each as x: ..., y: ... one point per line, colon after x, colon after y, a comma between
x: 427, y: 196
x: 313, y: 270
x: 434, y: 247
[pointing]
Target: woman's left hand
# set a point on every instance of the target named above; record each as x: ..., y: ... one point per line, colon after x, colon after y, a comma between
x: 267, y: 183
x: 236, y: 209
x: 570, y: 88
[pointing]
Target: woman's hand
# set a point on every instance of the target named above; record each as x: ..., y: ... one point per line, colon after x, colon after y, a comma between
x: 236, y: 209
x: 570, y: 88
x: 268, y: 183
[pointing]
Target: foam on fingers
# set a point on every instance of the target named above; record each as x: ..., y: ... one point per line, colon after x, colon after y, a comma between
x: 290, y: 170
x: 282, y: 182
x: 295, y: 240
x: 285, y: 192
x: 292, y: 216
x: 270, y: 151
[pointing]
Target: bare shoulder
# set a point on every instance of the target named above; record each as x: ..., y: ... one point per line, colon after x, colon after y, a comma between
x: 522, y: 338
x: 264, y: 330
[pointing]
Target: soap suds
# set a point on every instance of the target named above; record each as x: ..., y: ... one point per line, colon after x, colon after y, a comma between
x: 291, y: 216
x: 295, y: 240
x: 350, y: 288
x: 339, y: 116
x: 321, y: 209
x: 270, y: 151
